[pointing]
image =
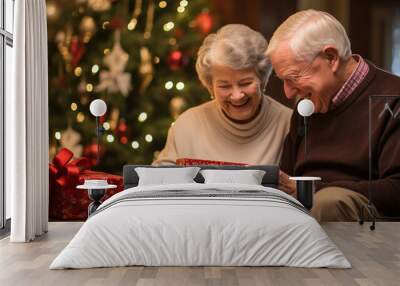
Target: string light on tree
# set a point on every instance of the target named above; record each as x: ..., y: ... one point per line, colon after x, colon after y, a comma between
x: 180, y: 9
x: 106, y: 126
x: 132, y: 24
x: 80, y: 117
x: 180, y: 85
x: 162, y: 4
x: 148, y: 138
x: 105, y: 25
x: 95, y: 69
x: 78, y: 71
x: 57, y: 135
x: 135, y: 145
x: 142, y: 117
x: 184, y: 3
x: 168, y: 26
x: 74, y: 106
x: 169, y: 84
x: 110, y: 138
x: 89, y: 87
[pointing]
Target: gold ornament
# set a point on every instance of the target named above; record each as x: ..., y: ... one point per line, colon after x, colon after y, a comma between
x: 146, y: 69
x: 176, y: 106
x: 99, y: 5
x: 87, y: 27
x: 52, y: 11
x: 63, y: 40
x: 136, y: 13
x: 114, y: 118
x: 149, y: 20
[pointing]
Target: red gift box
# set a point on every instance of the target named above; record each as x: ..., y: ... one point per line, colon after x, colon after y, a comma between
x: 65, y: 201
x: 191, y: 162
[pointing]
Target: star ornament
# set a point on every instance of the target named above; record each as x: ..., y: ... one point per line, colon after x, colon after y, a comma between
x: 117, y: 59
x: 115, y: 79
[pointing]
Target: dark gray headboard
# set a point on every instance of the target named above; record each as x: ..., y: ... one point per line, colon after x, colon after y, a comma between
x: 270, y: 178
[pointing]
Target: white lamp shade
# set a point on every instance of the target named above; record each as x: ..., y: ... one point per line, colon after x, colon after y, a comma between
x: 305, y: 107
x: 98, y: 107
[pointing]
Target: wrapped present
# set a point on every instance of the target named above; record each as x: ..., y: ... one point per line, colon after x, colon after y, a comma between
x: 65, y: 201
x: 191, y: 162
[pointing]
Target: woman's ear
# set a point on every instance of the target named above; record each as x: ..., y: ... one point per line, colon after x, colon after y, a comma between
x: 331, y: 54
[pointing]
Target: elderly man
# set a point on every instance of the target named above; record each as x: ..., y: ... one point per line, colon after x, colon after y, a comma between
x: 311, y: 53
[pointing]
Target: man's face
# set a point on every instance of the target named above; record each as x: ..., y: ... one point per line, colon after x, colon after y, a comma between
x: 313, y: 80
x: 237, y: 92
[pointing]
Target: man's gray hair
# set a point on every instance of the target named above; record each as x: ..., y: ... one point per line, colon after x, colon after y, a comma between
x: 308, y: 31
x: 235, y: 46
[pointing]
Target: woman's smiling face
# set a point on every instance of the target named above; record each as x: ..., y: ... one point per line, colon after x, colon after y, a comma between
x: 237, y: 92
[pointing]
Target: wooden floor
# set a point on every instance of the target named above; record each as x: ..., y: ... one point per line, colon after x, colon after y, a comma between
x: 375, y: 256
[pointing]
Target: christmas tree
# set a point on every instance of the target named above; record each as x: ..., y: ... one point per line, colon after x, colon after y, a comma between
x: 139, y: 57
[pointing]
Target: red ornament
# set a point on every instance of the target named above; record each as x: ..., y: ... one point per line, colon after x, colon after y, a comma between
x: 116, y: 23
x: 122, y: 127
x: 77, y: 49
x: 90, y: 151
x: 102, y: 119
x: 178, y: 33
x: 124, y: 139
x: 204, y: 22
x: 175, y: 60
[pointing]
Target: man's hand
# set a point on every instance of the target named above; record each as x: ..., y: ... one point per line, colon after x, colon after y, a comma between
x: 287, y: 185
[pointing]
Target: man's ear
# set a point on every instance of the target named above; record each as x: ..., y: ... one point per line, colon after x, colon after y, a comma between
x: 331, y: 54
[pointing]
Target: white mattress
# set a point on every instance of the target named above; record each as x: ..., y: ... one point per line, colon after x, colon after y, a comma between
x: 183, y: 231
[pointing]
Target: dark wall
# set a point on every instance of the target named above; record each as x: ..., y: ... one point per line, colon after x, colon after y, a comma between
x: 360, y: 27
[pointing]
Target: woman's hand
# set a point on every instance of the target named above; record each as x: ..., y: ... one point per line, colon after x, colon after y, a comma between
x: 287, y: 185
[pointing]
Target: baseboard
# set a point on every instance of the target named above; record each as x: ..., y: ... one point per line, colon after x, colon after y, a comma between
x: 5, y: 231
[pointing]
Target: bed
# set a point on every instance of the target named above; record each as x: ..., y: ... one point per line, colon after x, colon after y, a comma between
x: 201, y: 224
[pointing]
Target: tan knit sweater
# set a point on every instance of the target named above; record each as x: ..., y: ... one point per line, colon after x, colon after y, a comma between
x: 204, y: 132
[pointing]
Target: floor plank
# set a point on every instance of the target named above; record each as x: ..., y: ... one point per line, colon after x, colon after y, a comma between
x: 374, y: 255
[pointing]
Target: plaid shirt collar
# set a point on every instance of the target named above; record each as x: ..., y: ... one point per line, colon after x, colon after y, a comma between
x: 351, y: 83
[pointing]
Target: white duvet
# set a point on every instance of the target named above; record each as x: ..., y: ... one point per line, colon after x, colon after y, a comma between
x: 183, y: 231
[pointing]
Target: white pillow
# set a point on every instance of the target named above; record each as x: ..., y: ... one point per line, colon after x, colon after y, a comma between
x: 248, y: 177
x: 165, y: 176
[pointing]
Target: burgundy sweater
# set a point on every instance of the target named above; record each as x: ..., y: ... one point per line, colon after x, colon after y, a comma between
x: 338, y: 144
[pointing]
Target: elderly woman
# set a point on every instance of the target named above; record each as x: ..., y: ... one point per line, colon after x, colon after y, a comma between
x: 240, y: 124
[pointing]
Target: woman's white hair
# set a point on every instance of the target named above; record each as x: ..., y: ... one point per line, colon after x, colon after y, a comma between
x: 235, y: 46
x: 308, y: 31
